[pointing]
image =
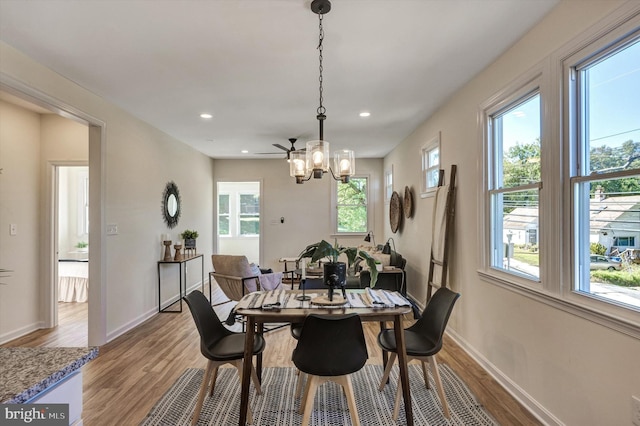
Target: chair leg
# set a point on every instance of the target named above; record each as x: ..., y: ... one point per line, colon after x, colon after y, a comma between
x: 307, y: 402
x: 214, y: 376
x: 396, y: 404
x: 256, y: 382
x: 387, y: 370
x: 425, y: 374
x: 345, y: 382
x: 436, y: 378
x: 203, y: 391
x: 299, y: 382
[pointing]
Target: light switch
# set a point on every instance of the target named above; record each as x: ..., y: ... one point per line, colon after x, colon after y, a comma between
x: 112, y: 229
x: 13, y: 229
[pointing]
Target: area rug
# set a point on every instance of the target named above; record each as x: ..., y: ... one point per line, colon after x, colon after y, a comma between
x: 278, y: 406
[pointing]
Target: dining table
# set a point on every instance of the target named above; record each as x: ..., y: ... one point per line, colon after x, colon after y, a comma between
x: 285, y: 310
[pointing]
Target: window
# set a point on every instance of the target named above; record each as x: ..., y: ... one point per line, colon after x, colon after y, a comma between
x: 605, y: 181
x: 388, y: 184
x: 560, y: 186
x: 249, y: 216
x: 513, y: 165
x: 430, y: 154
x: 223, y: 214
x: 352, y: 206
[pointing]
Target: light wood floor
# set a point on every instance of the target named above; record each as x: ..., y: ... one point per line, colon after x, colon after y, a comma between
x: 133, y: 371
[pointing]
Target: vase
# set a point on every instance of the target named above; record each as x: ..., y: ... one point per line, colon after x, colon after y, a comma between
x: 335, y: 276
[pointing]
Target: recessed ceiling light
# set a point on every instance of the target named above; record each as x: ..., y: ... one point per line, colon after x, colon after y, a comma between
x: 205, y: 115
x: 244, y: 151
x: 365, y: 114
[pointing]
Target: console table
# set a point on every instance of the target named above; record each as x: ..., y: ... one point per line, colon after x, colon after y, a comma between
x: 183, y: 278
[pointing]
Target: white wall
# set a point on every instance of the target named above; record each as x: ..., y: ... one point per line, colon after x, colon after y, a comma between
x: 138, y: 161
x: 306, y: 208
x: 579, y: 372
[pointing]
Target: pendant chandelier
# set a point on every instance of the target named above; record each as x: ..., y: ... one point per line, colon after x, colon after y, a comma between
x: 314, y: 161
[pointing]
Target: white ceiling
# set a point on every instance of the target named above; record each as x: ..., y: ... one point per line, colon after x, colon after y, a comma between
x: 253, y: 64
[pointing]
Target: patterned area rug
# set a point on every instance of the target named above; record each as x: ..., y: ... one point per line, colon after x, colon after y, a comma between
x: 278, y: 406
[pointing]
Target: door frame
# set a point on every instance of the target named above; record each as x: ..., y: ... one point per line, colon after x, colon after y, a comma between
x: 97, y: 309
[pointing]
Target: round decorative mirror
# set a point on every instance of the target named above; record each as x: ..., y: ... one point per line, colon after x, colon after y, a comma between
x: 171, y: 204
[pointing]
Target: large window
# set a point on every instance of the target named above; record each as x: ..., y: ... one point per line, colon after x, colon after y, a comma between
x: 513, y: 163
x: 605, y: 180
x: 352, y: 204
x: 560, y: 186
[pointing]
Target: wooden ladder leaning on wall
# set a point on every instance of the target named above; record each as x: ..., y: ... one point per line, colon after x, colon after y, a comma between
x: 440, y: 259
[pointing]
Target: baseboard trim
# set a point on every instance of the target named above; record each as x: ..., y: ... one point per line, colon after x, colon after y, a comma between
x: 22, y: 331
x: 146, y: 316
x: 535, y: 408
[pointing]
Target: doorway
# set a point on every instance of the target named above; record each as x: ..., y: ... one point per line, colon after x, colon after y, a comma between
x: 238, y: 219
x: 71, y: 234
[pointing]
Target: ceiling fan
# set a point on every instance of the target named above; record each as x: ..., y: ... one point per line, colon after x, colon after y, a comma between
x: 288, y: 150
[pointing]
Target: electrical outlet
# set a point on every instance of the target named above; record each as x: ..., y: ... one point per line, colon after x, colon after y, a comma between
x: 635, y: 410
x: 13, y: 229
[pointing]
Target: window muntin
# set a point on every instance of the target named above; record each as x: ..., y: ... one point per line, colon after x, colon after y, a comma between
x: 430, y: 154
x: 606, y: 186
x: 514, y: 182
x: 249, y: 216
x: 223, y: 214
x: 352, y: 204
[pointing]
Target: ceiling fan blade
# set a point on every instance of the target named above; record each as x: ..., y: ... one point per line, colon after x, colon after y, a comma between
x: 277, y: 145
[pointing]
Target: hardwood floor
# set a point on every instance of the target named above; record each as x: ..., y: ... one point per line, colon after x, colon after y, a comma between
x: 133, y: 371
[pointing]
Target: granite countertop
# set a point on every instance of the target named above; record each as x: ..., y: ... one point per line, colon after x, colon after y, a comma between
x: 25, y: 372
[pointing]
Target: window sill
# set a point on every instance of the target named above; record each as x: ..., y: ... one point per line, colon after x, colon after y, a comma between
x: 616, y: 323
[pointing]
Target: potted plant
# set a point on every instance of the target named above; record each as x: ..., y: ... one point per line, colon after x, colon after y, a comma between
x: 82, y: 246
x: 323, y: 249
x: 189, y: 238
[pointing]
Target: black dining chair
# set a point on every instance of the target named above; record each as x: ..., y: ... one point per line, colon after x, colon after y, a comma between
x: 423, y: 340
x: 330, y: 348
x: 220, y: 346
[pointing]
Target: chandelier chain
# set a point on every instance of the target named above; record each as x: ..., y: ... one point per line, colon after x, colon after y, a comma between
x: 321, y: 108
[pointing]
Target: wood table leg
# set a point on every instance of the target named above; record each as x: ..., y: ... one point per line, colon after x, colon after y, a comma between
x: 246, y: 369
x: 259, y: 356
x: 404, y: 368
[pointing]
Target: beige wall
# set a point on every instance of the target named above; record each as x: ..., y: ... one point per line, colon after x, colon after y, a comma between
x: 137, y: 161
x: 19, y: 205
x: 306, y: 208
x: 570, y: 370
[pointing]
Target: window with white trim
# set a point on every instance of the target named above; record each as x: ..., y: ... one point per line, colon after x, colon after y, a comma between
x: 430, y: 154
x: 587, y: 225
x: 513, y: 128
x: 352, y: 206
x: 249, y: 216
x: 223, y: 214
x: 604, y: 127
x: 388, y: 184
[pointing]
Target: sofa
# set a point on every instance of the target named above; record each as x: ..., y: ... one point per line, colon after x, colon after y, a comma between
x: 395, y: 281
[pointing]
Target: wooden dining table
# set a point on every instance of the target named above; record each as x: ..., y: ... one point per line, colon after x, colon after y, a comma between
x: 256, y: 318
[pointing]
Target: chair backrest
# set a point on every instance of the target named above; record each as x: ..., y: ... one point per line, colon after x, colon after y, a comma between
x: 235, y: 267
x: 331, y: 345
x: 207, y: 322
x: 435, y: 316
